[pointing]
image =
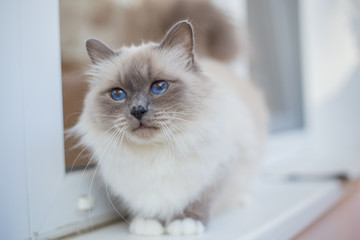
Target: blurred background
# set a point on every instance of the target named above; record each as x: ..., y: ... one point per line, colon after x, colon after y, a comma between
x: 301, y: 69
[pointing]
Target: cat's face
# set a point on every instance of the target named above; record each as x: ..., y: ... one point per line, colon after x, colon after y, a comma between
x: 146, y: 93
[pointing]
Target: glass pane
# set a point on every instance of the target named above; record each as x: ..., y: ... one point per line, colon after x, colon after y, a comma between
x: 275, y: 63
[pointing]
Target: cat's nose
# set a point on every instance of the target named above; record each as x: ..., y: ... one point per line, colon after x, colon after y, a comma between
x: 138, y: 112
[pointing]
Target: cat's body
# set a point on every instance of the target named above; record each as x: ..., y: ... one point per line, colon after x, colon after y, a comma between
x: 193, y: 149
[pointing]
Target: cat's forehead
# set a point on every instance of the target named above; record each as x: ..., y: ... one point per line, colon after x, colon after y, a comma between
x: 138, y: 66
x: 135, y: 65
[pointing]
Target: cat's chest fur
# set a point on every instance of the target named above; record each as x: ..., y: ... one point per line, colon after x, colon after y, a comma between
x: 156, y: 182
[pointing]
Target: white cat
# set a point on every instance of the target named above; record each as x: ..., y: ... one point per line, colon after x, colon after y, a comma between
x: 176, y: 138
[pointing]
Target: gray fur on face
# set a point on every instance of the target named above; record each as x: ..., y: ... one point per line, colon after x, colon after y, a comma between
x: 181, y: 35
x: 98, y: 50
x: 134, y: 71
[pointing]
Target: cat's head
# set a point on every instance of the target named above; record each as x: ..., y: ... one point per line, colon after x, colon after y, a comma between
x: 145, y: 93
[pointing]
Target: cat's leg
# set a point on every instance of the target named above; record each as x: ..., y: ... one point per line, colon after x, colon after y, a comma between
x: 244, y: 179
x: 237, y: 190
x: 193, y: 220
x: 142, y: 226
x: 186, y: 226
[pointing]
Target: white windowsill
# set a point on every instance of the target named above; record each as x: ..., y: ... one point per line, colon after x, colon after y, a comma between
x: 280, y: 210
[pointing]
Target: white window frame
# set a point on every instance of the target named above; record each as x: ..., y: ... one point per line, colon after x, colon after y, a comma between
x: 50, y: 203
x: 45, y: 197
x: 317, y: 140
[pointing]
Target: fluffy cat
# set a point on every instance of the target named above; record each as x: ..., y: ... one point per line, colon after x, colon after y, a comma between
x: 176, y: 138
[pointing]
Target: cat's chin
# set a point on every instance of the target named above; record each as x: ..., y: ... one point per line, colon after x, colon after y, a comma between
x: 142, y: 128
x: 143, y: 134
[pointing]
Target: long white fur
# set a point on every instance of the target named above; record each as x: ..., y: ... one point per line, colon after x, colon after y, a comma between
x: 226, y: 138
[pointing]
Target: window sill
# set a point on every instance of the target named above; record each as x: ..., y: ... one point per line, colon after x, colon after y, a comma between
x: 280, y: 210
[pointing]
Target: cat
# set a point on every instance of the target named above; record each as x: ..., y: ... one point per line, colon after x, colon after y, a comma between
x: 176, y: 138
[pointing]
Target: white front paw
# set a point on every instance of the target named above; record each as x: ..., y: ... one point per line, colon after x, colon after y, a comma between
x: 187, y: 226
x: 141, y: 226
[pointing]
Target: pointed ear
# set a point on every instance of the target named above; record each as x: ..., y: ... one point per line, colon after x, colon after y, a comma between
x: 180, y: 36
x: 98, y: 50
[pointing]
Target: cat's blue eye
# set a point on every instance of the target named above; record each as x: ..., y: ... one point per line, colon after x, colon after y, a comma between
x: 118, y: 94
x: 159, y: 87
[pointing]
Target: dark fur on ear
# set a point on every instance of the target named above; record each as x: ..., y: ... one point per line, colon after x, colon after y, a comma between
x: 180, y: 35
x: 98, y: 50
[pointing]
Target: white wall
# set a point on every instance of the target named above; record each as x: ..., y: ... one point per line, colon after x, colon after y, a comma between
x: 31, y: 138
x: 14, y: 219
x: 331, y: 65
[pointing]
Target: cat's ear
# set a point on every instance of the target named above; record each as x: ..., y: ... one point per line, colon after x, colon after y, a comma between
x: 181, y: 37
x: 98, y: 50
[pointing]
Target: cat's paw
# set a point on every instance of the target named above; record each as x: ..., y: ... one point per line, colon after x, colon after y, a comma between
x: 141, y: 226
x: 187, y: 226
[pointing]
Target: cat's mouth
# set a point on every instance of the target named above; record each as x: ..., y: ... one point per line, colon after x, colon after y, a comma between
x: 144, y: 127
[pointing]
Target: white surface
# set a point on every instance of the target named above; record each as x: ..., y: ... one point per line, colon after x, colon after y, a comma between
x: 280, y: 210
x: 41, y: 77
x: 331, y: 70
x: 14, y: 220
x: 38, y: 197
x: 330, y: 46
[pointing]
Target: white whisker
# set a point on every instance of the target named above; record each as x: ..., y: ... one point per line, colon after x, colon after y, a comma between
x: 116, y: 143
x: 71, y: 132
x: 111, y: 140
